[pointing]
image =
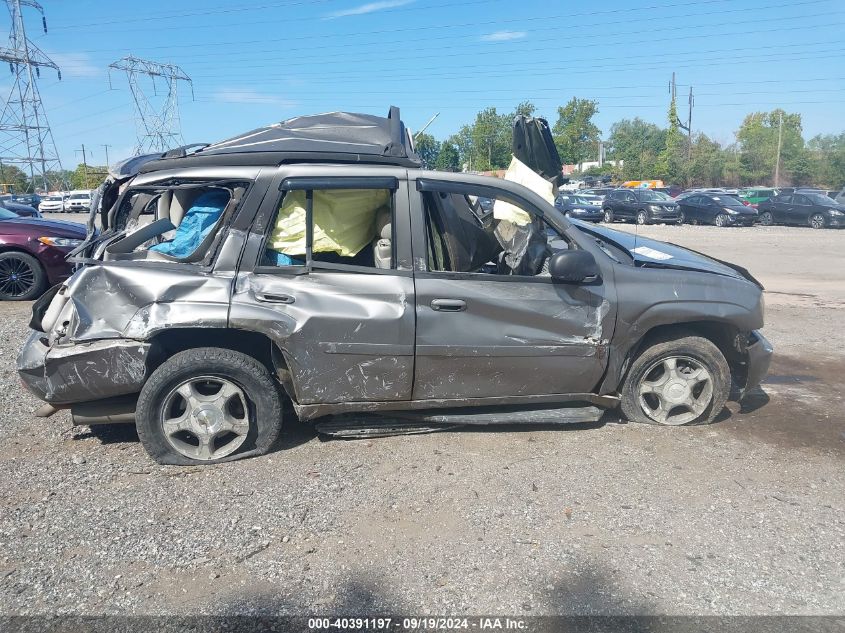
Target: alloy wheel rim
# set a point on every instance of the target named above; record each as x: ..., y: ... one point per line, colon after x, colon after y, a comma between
x: 675, y: 390
x: 641, y: 218
x: 817, y: 221
x: 766, y: 218
x: 16, y: 277
x: 206, y: 418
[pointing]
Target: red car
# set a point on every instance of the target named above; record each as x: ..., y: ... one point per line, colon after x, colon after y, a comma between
x: 32, y: 254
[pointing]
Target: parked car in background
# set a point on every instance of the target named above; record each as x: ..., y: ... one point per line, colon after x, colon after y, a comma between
x: 78, y: 201
x: 597, y: 191
x: 755, y: 195
x: 578, y: 206
x: 840, y: 197
x: 32, y: 254
x: 644, y: 206
x: 53, y: 204
x: 718, y: 209
x: 18, y: 208
x: 30, y: 199
x: 802, y: 209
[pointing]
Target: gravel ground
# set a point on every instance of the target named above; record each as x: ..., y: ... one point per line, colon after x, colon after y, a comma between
x: 741, y: 517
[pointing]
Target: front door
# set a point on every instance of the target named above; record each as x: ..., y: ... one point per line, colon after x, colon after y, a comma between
x: 326, y: 274
x: 483, y: 333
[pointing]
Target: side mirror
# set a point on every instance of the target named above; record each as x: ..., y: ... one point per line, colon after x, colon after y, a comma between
x: 573, y: 266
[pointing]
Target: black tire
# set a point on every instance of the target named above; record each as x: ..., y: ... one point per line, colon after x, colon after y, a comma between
x: 21, y: 277
x: 642, y: 217
x: 608, y: 216
x: 695, y: 347
x: 817, y: 221
x: 262, y: 394
x: 682, y: 218
x: 766, y: 218
x: 721, y: 220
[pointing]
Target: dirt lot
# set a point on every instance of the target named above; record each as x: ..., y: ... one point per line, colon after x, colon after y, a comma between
x: 741, y: 517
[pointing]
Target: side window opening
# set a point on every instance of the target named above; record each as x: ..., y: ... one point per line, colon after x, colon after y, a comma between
x: 176, y: 223
x: 459, y: 240
x: 348, y: 227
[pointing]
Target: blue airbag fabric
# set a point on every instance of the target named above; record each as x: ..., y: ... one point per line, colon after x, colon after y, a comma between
x: 197, y: 223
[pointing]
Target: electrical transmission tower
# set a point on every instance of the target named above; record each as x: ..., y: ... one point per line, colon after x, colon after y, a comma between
x: 157, y: 123
x: 25, y: 136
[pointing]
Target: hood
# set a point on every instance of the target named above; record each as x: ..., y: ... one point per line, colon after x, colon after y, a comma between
x: 50, y: 228
x: 654, y: 253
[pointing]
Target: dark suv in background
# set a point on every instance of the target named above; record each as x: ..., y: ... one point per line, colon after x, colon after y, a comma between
x: 803, y: 208
x: 644, y: 206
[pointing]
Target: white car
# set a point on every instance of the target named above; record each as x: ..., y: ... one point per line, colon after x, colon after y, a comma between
x: 53, y: 203
x: 79, y: 200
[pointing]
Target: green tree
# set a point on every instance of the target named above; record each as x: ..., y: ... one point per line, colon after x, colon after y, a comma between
x: 574, y: 133
x: 448, y: 158
x: 827, y: 158
x: 758, y: 142
x: 638, y: 144
x: 15, y: 177
x: 671, y: 162
x: 708, y: 163
x: 87, y: 178
x: 428, y: 149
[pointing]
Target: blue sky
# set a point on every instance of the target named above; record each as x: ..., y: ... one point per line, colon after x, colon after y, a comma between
x: 259, y: 61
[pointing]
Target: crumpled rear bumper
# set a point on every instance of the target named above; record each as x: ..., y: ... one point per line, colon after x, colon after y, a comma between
x: 66, y: 374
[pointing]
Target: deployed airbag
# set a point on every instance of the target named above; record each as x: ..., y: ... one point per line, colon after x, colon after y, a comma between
x: 198, y: 222
x: 344, y: 221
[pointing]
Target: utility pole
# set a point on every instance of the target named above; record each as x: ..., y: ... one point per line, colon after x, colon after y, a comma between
x: 84, y: 166
x: 157, y: 125
x: 688, y: 127
x: 25, y: 135
x: 780, y: 141
x: 106, y: 147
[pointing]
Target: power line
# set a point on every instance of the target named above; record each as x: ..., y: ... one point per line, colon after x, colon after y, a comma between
x: 158, y: 127
x: 438, y: 27
x: 25, y: 135
x: 503, y: 48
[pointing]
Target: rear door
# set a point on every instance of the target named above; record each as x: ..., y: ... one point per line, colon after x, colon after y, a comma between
x: 485, y: 334
x: 327, y: 275
x: 691, y: 207
x: 779, y: 206
x: 800, y: 210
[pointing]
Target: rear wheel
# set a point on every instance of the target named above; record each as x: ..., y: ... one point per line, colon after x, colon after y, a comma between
x: 21, y: 277
x: 682, y: 217
x: 206, y: 405
x: 766, y: 218
x: 642, y: 217
x: 721, y: 220
x: 677, y: 382
x: 817, y: 221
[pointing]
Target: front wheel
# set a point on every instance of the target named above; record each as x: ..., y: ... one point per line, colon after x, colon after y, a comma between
x: 682, y: 218
x: 206, y: 405
x: 721, y: 220
x: 642, y: 217
x: 817, y: 221
x: 766, y: 218
x: 608, y: 216
x: 677, y: 382
x: 21, y: 277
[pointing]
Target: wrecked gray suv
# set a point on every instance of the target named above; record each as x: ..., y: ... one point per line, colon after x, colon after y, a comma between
x: 315, y: 261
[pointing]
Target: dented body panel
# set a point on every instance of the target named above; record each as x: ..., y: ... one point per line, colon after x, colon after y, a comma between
x: 377, y: 339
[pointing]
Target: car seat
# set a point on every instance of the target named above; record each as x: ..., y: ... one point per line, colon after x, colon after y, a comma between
x: 382, y: 245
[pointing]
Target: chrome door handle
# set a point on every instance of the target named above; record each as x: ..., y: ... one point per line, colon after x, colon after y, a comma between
x: 448, y: 305
x: 269, y: 297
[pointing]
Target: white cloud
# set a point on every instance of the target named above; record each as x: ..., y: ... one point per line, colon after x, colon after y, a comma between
x: 503, y: 36
x: 75, y: 65
x: 370, y: 7
x: 230, y: 95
